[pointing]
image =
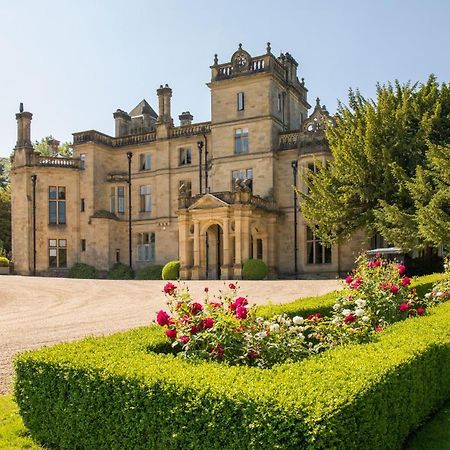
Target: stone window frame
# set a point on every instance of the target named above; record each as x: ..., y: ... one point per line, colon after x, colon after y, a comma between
x: 116, y: 201
x: 241, y: 146
x: 184, y: 156
x: 146, y: 247
x: 57, y: 207
x: 145, y: 198
x: 240, y: 101
x: 248, y: 172
x: 321, y: 255
x: 57, y: 252
x: 145, y: 162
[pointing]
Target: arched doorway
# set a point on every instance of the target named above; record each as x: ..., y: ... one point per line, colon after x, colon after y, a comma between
x: 213, y: 251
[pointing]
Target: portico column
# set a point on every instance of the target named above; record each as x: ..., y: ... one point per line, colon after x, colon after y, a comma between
x: 271, y: 248
x: 196, y: 267
x: 237, y: 246
x: 183, y: 230
x: 226, y: 269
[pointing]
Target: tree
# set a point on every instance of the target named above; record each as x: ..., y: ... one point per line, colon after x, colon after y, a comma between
x: 376, y: 148
x: 4, y: 172
x: 45, y: 149
x: 5, y: 219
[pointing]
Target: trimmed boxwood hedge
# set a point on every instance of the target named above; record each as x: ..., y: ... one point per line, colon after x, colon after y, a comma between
x: 127, y: 391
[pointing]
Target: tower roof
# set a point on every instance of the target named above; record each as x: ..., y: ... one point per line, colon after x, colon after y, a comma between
x: 143, y: 108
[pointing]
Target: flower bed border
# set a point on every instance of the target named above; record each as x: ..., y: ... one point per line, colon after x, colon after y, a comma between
x: 109, y: 392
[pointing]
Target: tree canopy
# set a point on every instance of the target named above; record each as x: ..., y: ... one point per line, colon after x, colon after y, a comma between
x: 45, y: 149
x: 5, y: 219
x: 378, y: 148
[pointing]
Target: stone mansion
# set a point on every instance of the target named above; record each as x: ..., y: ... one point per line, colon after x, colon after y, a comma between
x: 210, y: 194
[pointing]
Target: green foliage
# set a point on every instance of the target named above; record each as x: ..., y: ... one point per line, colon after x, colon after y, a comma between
x: 254, y: 269
x: 376, y: 148
x: 13, y: 434
x: 4, y: 172
x: 121, y: 391
x: 171, y: 271
x: 4, y: 261
x: 151, y: 272
x: 5, y: 219
x: 44, y: 148
x: 120, y: 271
x: 81, y: 270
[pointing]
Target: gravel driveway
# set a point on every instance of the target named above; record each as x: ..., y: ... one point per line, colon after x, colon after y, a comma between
x: 43, y: 311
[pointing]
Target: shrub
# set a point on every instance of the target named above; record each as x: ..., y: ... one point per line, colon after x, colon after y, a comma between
x: 120, y: 271
x: 254, y: 269
x: 81, y: 270
x: 116, y: 391
x: 171, y: 271
x: 150, y: 273
x: 4, y: 261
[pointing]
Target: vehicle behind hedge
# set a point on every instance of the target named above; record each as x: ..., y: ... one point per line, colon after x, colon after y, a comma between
x: 129, y: 391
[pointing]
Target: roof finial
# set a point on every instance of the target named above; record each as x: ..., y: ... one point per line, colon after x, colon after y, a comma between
x: 318, y: 102
x: 216, y: 59
x: 268, y: 48
x: 240, y: 46
x: 21, y: 107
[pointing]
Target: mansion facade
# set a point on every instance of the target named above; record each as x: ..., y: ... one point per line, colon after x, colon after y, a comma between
x: 211, y: 195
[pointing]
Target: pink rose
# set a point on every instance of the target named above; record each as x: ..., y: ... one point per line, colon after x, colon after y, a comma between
x: 349, y: 279
x: 232, y: 286
x: 196, y: 308
x: 195, y: 329
x: 207, y: 322
x: 240, y: 301
x: 401, y: 269
x: 420, y: 311
x: 241, y: 312
x: 169, y: 288
x: 404, y: 307
x: 377, y: 263
x: 405, y: 281
x: 394, y: 289
x: 378, y: 328
x: 171, y: 333
x: 184, y: 339
x: 162, y: 318
x: 350, y: 318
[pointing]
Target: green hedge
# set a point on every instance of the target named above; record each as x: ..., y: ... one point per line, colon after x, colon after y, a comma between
x: 127, y: 391
x: 81, y: 270
x: 120, y: 271
x: 151, y: 272
x: 4, y: 261
x: 171, y: 271
x: 254, y: 269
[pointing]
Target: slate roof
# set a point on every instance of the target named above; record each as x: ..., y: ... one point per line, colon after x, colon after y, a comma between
x: 143, y: 108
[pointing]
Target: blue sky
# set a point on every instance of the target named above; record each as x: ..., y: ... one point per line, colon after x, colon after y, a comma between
x: 73, y: 63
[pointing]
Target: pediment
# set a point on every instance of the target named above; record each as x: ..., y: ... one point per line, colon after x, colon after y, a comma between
x: 208, y: 201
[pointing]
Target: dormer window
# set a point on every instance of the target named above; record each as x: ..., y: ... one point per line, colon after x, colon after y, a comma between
x: 240, y: 101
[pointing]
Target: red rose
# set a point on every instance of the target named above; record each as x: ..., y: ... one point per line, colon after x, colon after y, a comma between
x: 377, y: 263
x: 349, y: 279
x: 401, y: 269
x: 350, y: 318
x: 394, y: 289
x: 232, y: 286
x: 405, y: 281
x: 252, y: 354
x: 162, y: 318
x: 206, y: 289
x: 218, y: 350
x: 385, y: 286
x: 404, y: 307
x: 207, y: 322
x: 241, y: 312
x: 371, y: 264
x: 184, y: 339
x: 169, y: 288
x: 314, y: 317
x: 185, y: 319
x: 196, y: 308
x: 195, y: 329
x: 171, y: 333
x: 420, y: 311
x: 378, y: 328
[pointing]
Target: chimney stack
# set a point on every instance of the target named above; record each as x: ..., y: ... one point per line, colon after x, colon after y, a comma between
x: 185, y: 118
x: 23, y: 128
x: 164, y: 95
x: 122, y: 123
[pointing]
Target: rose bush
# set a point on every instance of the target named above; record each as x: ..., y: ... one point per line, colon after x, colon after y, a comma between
x: 226, y: 328
x: 441, y: 290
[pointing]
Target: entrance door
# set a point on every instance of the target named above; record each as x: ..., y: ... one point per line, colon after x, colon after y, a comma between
x: 214, y: 252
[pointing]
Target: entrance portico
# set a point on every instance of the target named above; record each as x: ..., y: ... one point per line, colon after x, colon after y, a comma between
x: 218, y: 232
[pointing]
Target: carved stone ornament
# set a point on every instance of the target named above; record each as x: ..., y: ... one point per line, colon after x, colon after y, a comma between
x: 241, y: 60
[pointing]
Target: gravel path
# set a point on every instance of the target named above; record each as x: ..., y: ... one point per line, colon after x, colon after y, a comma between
x: 42, y: 311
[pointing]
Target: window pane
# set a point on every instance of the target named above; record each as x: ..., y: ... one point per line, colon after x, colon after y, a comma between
x: 52, y: 192
x: 61, y: 193
x: 152, y: 238
x: 259, y: 249
x: 309, y: 234
x: 52, y: 243
x: 188, y: 156
x: 120, y: 205
x: 53, y: 252
x: 148, y: 162
x: 319, y: 252
x: 62, y: 257
x: 148, y: 203
x: 63, y: 243
x: 53, y: 260
x: 61, y: 212
x: 310, y: 252
x: 327, y: 255
x: 52, y: 212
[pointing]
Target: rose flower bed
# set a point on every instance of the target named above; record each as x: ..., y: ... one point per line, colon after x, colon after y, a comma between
x: 132, y: 391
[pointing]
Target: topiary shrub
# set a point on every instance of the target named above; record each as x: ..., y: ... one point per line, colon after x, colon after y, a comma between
x: 4, y: 261
x: 120, y: 271
x: 81, y: 270
x: 171, y: 271
x: 151, y: 272
x: 254, y: 269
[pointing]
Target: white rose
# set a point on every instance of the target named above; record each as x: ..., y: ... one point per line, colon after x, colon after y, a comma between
x: 439, y: 294
x: 360, y: 302
x: 359, y: 312
x: 336, y: 320
x: 365, y: 319
x: 275, y: 327
x: 298, y: 320
x: 346, y: 312
x: 336, y: 306
x: 428, y: 295
x: 261, y: 335
x: 301, y: 337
